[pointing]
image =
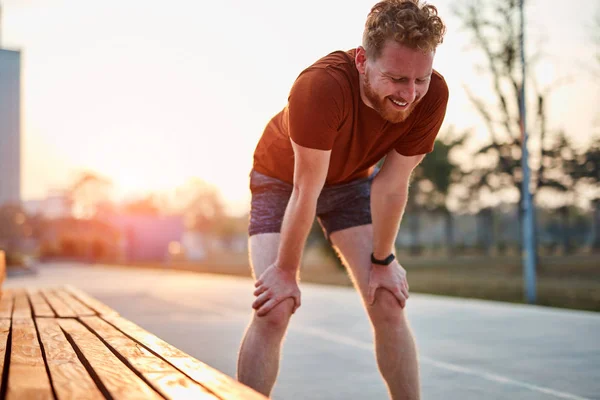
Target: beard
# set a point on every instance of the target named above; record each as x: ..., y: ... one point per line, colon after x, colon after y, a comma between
x: 383, y: 105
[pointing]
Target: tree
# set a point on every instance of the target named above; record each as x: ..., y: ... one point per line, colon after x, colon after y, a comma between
x: 202, y: 204
x: 496, y: 171
x: 12, y: 226
x: 586, y: 170
x: 557, y: 177
x: 433, y: 179
x: 494, y: 29
x: 144, y: 206
x: 89, y: 194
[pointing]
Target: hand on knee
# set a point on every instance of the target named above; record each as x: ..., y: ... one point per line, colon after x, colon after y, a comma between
x: 278, y: 318
x: 386, y: 308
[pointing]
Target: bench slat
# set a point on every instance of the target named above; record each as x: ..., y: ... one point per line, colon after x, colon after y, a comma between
x: 22, y: 309
x: 6, y: 304
x: 40, y: 307
x: 119, y: 380
x: 99, y: 307
x: 69, y: 377
x: 2, y: 267
x: 164, y: 377
x: 214, y: 380
x: 80, y: 309
x: 4, y: 330
x: 59, y: 306
x: 27, y: 377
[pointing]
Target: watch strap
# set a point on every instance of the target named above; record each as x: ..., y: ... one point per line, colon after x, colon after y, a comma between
x: 385, y: 261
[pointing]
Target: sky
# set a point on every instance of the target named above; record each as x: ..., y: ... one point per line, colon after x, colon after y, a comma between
x: 150, y: 94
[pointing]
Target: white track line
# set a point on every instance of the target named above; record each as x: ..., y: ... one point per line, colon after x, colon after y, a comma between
x: 439, y: 364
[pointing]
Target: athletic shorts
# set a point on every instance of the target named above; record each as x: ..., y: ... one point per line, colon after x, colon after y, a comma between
x: 339, y: 206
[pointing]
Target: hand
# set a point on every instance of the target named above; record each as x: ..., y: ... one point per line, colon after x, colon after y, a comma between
x: 274, y: 286
x: 391, y: 277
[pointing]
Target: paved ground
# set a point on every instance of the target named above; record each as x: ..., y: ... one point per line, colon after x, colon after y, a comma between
x: 468, y: 349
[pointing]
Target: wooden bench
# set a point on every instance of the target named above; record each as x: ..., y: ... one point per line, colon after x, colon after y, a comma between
x: 61, y: 343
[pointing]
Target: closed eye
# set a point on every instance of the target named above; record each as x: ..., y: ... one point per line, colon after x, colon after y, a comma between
x: 401, y: 80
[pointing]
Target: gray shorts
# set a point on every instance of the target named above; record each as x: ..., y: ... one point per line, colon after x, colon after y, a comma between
x: 339, y: 206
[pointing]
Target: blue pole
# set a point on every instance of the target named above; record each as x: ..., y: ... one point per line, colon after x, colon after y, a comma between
x: 527, y: 224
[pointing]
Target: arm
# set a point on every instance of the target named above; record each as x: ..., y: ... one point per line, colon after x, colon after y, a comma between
x: 279, y: 281
x: 389, y: 194
x: 315, y: 109
x: 310, y: 171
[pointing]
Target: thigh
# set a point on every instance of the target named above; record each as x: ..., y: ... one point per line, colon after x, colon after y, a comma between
x: 270, y: 197
x: 354, y: 246
x: 263, y: 251
x: 345, y: 206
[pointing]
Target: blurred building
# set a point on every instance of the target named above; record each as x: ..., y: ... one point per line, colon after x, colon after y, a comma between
x: 56, y: 204
x: 10, y: 126
x: 147, y: 237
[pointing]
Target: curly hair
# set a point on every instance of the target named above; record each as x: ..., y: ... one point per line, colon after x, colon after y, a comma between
x: 409, y: 22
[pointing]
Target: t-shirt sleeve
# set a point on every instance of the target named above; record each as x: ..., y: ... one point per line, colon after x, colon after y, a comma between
x: 420, y: 139
x: 315, y: 109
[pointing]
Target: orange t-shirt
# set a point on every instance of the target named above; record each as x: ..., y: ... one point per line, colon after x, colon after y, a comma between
x: 325, y: 112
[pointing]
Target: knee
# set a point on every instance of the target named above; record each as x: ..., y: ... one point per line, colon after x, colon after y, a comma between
x: 386, y: 311
x: 278, y: 318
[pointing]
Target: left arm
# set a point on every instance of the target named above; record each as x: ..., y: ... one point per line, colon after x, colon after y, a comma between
x: 389, y: 194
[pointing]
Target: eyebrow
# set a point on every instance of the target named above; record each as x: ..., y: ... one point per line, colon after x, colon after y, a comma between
x: 402, y: 77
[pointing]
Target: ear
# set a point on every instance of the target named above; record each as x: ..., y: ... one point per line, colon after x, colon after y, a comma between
x: 360, y: 59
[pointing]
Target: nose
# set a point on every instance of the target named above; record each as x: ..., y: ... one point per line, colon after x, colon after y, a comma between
x: 408, y: 92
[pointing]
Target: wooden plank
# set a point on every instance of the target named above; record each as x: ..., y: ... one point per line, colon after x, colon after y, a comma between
x: 2, y: 267
x: 212, y: 379
x: 22, y: 309
x: 4, y: 331
x: 59, y: 306
x: 80, y: 309
x: 69, y: 377
x: 96, y: 305
x: 163, y: 376
x: 120, y: 381
x: 6, y: 304
x: 40, y: 307
x: 27, y: 376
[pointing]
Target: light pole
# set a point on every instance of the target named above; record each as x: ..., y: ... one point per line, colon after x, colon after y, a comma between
x: 527, y: 224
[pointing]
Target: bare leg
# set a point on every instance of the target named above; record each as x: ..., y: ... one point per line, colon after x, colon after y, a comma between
x: 394, y: 344
x: 258, y: 360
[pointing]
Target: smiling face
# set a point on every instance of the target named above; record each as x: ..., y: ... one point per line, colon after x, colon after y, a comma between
x: 394, y: 83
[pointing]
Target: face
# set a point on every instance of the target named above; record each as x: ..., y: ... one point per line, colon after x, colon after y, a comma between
x: 395, y: 82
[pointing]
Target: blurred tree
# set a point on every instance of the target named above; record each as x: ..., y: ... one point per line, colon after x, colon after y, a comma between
x: 432, y: 181
x: 557, y: 177
x: 493, y: 26
x: 143, y: 206
x: 12, y: 226
x: 203, y: 206
x: 89, y: 194
x: 16, y: 227
x: 496, y: 171
x: 586, y: 170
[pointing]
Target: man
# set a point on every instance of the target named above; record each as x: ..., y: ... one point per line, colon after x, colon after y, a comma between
x: 316, y: 158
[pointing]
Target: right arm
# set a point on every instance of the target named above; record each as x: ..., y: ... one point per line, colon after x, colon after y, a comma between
x: 310, y: 171
x: 279, y: 281
x: 315, y: 109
